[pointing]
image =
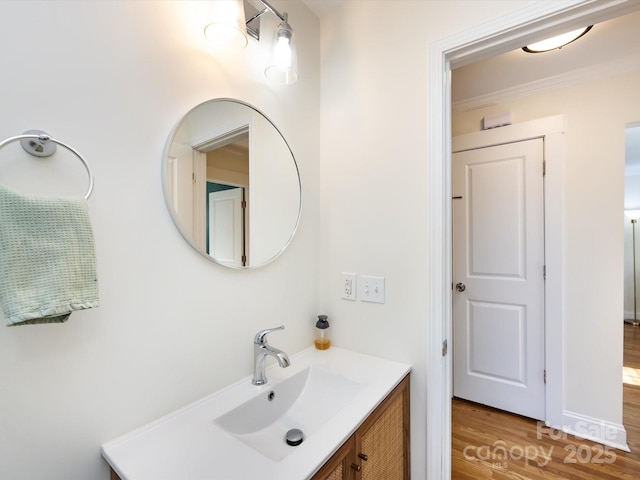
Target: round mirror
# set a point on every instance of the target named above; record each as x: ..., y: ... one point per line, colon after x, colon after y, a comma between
x: 231, y: 184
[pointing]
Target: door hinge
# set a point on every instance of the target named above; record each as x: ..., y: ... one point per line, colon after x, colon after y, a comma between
x: 544, y: 272
x: 244, y: 204
x: 545, y: 376
x: 544, y: 168
x: 445, y: 348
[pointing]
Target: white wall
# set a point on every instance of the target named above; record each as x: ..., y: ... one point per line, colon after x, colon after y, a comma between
x: 374, y: 170
x: 596, y: 113
x: 112, y: 79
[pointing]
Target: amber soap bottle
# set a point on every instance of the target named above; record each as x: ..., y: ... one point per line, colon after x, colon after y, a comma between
x: 323, y: 341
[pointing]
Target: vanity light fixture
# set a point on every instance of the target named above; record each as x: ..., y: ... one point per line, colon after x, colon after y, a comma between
x: 283, y: 67
x: 556, y: 42
x: 228, y: 30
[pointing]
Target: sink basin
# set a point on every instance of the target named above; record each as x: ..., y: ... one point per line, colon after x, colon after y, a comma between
x: 304, y: 401
x: 239, y: 432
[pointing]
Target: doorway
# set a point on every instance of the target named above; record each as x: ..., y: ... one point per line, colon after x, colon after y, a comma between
x: 221, y: 192
x: 632, y: 214
x: 550, y: 131
x: 495, y: 37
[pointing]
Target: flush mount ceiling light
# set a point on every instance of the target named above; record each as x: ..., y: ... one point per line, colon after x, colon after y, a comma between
x: 556, y: 42
x: 228, y: 30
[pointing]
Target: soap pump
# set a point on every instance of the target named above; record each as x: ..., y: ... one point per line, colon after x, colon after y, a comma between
x: 322, y: 333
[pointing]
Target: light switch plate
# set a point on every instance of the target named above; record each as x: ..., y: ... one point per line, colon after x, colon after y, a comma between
x: 348, y: 286
x: 371, y: 289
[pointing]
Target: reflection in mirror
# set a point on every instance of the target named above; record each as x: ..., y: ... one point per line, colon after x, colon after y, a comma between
x: 231, y: 184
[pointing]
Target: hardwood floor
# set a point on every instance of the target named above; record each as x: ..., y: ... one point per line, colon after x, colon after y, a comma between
x: 491, y: 444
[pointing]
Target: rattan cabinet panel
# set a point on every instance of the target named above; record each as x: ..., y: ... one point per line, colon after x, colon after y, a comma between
x: 338, y: 467
x: 382, y: 442
x: 337, y: 474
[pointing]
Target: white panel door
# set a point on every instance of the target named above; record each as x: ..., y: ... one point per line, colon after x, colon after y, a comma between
x: 226, y: 239
x: 498, y: 279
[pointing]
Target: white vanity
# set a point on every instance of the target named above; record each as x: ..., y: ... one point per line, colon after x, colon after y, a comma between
x: 239, y: 432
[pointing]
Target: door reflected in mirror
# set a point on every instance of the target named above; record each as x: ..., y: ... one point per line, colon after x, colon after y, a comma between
x: 231, y: 184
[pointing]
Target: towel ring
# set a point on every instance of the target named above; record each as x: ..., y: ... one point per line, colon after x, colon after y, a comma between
x: 40, y: 144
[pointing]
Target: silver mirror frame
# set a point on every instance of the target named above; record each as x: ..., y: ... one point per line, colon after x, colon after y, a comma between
x: 172, y: 212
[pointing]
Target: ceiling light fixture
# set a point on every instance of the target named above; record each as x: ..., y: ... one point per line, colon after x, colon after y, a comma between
x: 556, y: 42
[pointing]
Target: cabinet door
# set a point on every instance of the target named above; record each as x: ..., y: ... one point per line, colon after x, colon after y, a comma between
x: 339, y: 466
x: 383, y: 440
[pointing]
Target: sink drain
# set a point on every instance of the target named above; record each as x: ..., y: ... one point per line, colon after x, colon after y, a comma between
x: 294, y: 437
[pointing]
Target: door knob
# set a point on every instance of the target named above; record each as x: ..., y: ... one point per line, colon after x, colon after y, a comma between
x: 461, y: 287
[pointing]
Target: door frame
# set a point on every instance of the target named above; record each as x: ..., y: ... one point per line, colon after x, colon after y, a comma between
x: 497, y: 36
x: 551, y: 130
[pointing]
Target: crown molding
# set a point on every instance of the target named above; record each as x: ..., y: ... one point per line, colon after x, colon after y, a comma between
x: 564, y: 80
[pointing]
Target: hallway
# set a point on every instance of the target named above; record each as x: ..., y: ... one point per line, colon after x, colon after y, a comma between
x: 491, y: 444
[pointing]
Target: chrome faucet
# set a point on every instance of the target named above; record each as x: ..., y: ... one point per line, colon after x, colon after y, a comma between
x: 260, y: 351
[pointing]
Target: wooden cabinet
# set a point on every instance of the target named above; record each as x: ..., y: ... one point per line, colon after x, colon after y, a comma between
x: 379, y: 449
x: 338, y: 467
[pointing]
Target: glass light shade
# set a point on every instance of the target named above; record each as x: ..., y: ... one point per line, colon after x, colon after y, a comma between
x: 558, y: 41
x: 283, y: 68
x: 228, y: 28
x: 632, y: 214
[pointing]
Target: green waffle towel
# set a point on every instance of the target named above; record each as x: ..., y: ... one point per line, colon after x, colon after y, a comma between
x: 47, y: 258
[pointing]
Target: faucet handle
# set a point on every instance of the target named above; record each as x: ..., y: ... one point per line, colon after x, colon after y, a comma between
x: 261, y: 336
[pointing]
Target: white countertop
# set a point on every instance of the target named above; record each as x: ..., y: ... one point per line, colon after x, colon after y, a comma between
x: 188, y: 445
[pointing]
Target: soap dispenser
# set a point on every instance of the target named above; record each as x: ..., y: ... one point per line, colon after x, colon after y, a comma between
x: 322, y: 333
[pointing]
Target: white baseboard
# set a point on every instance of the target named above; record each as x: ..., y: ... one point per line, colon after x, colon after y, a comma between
x: 594, y: 429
